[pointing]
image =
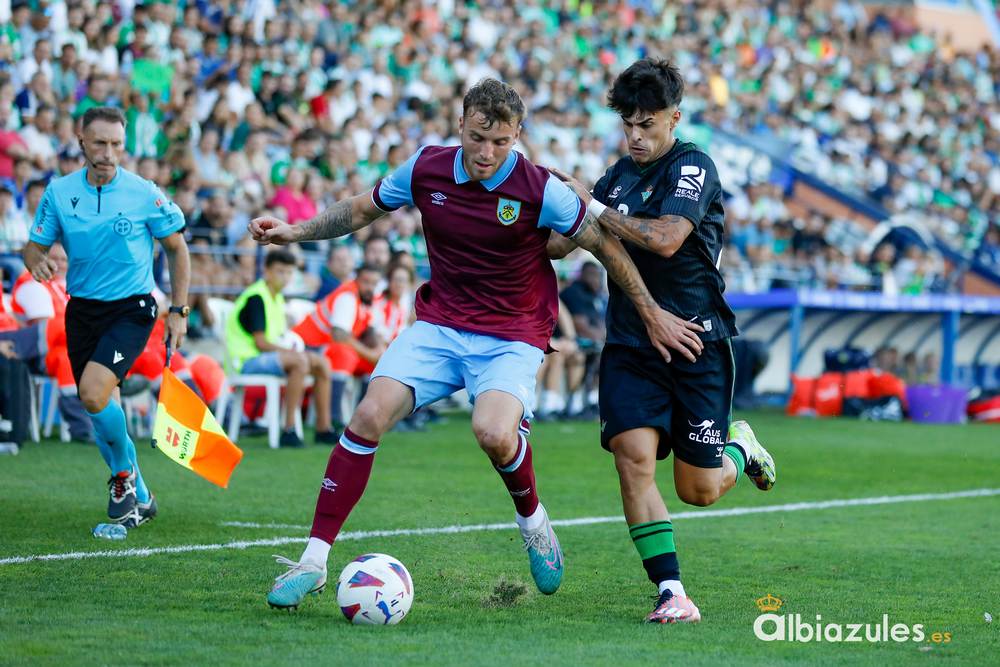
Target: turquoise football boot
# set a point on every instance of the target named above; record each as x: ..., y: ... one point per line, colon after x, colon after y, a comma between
x: 545, y: 556
x: 301, y: 579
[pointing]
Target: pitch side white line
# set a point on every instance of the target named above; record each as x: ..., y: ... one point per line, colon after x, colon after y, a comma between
x: 702, y: 514
x: 449, y: 530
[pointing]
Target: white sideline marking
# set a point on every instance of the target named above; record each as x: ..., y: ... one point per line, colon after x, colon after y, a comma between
x: 449, y: 530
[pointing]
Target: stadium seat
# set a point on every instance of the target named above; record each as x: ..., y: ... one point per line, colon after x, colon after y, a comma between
x: 231, y: 399
x: 41, y: 426
x: 234, y: 387
x: 297, y: 309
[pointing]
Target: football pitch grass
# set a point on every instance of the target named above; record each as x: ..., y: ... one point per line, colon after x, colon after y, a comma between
x: 932, y: 562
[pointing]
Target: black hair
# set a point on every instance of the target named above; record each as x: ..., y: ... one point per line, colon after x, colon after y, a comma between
x: 280, y: 256
x: 648, y: 85
x: 109, y: 114
x: 368, y: 267
x: 495, y: 100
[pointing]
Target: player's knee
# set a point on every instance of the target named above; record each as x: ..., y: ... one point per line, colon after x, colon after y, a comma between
x: 698, y: 495
x: 497, y: 442
x: 369, y: 420
x: 94, y: 399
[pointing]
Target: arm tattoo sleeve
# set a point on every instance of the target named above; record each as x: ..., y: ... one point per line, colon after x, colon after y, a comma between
x: 615, y: 259
x: 331, y: 223
x: 654, y: 234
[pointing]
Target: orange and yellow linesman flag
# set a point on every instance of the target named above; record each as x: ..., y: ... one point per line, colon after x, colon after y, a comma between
x: 186, y: 432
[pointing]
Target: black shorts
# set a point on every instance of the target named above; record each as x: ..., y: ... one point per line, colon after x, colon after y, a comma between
x: 688, y: 403
x: 111, y: 333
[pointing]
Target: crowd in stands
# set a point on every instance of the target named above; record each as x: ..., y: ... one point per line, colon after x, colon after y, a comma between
x: 238, y: 108
x: 868, y: 103
x: 242, y: 107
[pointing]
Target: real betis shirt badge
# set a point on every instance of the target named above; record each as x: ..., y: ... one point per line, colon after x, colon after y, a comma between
x: 647, y: 192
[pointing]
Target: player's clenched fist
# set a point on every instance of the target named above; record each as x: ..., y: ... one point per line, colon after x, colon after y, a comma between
x: 267, y: 229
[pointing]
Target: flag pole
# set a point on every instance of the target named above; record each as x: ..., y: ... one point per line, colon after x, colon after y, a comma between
x: 166, y: 365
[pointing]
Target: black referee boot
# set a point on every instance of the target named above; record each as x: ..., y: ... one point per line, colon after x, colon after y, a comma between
x: 121, y: 500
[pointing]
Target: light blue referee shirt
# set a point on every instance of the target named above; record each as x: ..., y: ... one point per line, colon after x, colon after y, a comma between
x: 108, y: 232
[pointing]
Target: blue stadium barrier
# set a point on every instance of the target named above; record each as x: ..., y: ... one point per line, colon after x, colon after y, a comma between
x: 798, y: 325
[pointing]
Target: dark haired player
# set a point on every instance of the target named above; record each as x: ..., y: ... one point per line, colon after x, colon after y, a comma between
x: 106, y: 218
x: 483, y: 321
x: 665, y: 202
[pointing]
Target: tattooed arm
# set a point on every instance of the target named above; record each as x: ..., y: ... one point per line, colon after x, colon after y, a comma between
x: 663, y: 235
x: 666, y: 331
x: 344, y: 217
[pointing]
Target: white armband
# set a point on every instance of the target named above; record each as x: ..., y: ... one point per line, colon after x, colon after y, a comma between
x: 595, y: 209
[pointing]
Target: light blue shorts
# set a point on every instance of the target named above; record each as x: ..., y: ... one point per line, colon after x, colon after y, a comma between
x: 436, y: 361
x: 265, y: 363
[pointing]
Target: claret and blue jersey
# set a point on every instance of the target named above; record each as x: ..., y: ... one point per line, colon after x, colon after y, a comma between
x: 490, y: 273
x: 108, y: 232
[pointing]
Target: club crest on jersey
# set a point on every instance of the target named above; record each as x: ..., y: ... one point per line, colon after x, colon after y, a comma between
x: 647, y: 192
x: 122, y: 226
x: 508, y: 211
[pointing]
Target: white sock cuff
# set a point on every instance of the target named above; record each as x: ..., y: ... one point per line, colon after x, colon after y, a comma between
x: 675, y: 586
x: 532, y: 522
x: 316, y: 551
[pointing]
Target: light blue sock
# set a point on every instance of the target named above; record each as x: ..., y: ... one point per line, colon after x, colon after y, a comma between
x: 105, y: 449
x: 109, y: 426
x: 141, y: 490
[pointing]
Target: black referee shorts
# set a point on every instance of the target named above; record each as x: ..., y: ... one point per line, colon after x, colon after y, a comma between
x: 688, y: 403
x: 111, y: 333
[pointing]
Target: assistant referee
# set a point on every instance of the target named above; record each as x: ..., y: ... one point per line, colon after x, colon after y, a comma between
x: 107, y: 218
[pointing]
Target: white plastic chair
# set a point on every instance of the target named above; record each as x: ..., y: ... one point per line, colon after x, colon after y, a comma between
x: 41, y: 425
x: 234, y: 386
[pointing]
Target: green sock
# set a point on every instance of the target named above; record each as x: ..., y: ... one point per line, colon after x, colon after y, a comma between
x: 738, y: 457
x: 655, y: 543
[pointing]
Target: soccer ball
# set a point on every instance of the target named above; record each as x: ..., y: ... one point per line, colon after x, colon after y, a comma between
x: 375, y: 589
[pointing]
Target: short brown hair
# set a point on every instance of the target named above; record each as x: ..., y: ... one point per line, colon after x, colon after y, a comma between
x: 109, y: 114
x: 495, y: 100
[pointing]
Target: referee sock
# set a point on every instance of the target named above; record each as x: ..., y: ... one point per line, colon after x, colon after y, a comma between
x: 105, y: 449
x: 141, y: 490
x: 655, y: 543
x: 109, y: 426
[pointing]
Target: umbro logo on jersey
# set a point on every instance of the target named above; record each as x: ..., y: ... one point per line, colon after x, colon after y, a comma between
x: 74, y: 201
x: 438, y: 198
x: 691, y: 182
x: 118, y: 357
